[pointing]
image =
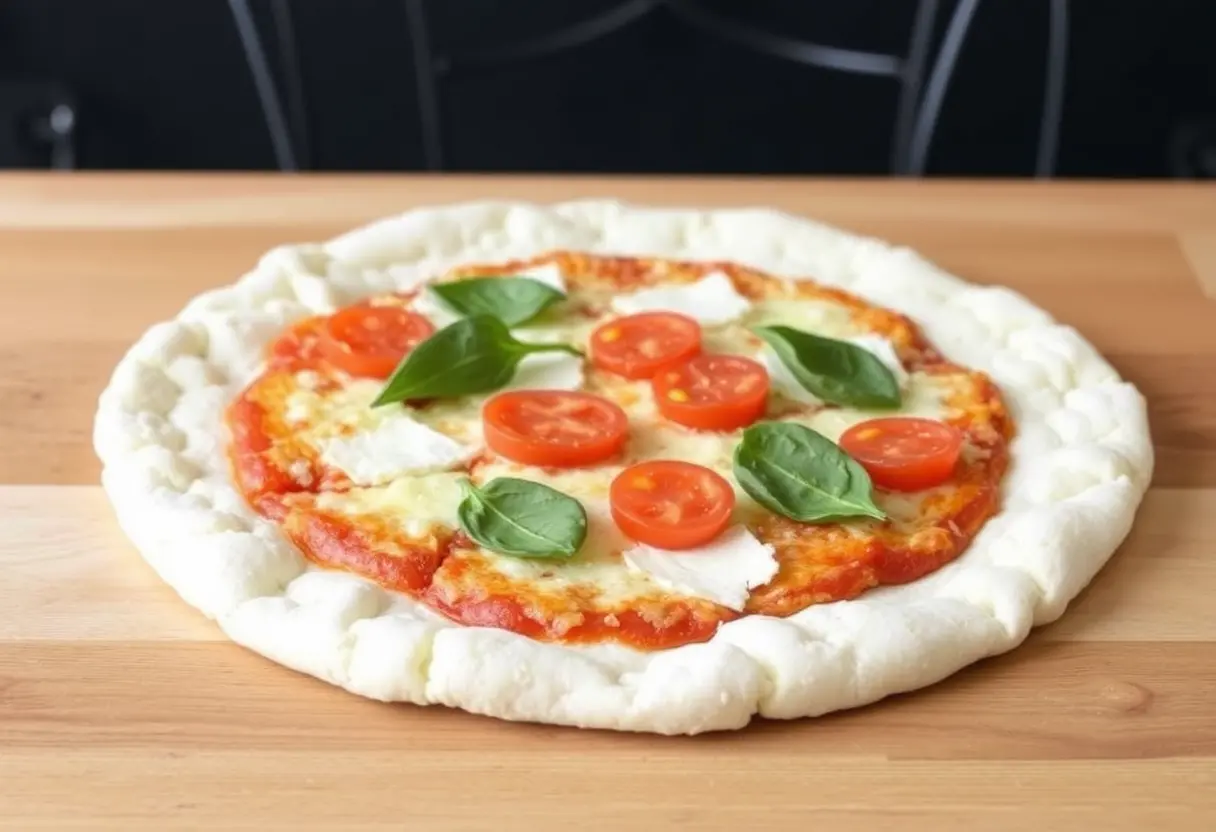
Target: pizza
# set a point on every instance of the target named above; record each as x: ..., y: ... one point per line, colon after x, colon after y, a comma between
x: 609, y: 466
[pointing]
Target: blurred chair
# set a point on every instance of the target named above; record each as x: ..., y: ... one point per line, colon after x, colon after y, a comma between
x: 916, y: 115
x: 38, y: 125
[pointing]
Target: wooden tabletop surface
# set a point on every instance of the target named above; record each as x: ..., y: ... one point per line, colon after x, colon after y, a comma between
x: 122, y: 708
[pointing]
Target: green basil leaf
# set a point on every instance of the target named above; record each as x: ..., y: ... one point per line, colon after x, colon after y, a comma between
x: 473, y: 355
x: 513, y: 300
x: 800, y: 474
x: 836, y: 371
x: 521, y: 518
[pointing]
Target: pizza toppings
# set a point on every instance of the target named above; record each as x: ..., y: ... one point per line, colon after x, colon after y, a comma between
x: 833, y: 371
x: 724, y: 571
x: 638, y: 346
x: 795, y: 472
x: 521, y: 518
x: 553, y: 428
x: 670, y: 504
x: 335, y: 474
x: 370, y: 341
x: 473, y: 355
x: 712, y: 300
x: 904, y: 454
x: 712, y: 392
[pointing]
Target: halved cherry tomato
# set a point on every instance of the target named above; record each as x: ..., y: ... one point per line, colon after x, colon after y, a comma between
x: 554, y: 428
x: 638, y: 346
x: 712, y: 392
x: 671, y: 505
x: 371, y: 340
x: 904, y: 453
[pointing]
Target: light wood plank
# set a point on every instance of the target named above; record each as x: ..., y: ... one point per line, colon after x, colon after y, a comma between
x: 72, y: 575
x: 1200, y: 250
x: 1046, y: 701
x: 554, y: 789
x: 115, y: 201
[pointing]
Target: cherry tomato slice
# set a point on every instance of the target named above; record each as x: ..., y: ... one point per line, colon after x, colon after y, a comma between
x: 712, y: 392
x: 554, y: 428
x: 371, y: 340
x: 638, y: 346
x: 904, y: 453
x: 671, y: 505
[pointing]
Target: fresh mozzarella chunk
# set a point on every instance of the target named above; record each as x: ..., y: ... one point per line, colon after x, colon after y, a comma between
x: 393, y: 448
x: 712, y: 300
x: 723, y: 571
x: 548, y: 371
x: 784, y: 382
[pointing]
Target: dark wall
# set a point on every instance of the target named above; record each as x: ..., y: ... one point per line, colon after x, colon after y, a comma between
x: 166, y: 85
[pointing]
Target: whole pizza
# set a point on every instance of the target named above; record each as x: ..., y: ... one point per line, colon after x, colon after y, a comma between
x: 618, y: 467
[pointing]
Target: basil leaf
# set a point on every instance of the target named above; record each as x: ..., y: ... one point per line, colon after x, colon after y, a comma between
x: 800, y: 474
x: 473, y: 355
x: 513, y: 300
x: 836, y: 371
x: 521, y: 518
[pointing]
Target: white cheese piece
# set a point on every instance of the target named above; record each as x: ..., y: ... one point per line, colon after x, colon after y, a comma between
x: 784, y: 382
x: 723, y: 571
x: 396, y: 447
x: 548, y: 371
x: 712, y: 300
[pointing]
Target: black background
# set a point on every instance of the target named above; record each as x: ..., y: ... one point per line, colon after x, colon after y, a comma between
x: 165, y: 85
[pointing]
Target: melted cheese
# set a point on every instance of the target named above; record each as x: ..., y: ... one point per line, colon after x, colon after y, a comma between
x: 831, y: 320
x: 415, y: 504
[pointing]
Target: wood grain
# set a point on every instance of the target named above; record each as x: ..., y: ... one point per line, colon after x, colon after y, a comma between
x: 120, y: 708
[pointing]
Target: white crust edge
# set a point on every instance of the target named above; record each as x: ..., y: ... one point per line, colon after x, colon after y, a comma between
x: 1081, y: 464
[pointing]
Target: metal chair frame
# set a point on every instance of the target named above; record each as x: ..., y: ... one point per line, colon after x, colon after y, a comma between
x: 916, y: 116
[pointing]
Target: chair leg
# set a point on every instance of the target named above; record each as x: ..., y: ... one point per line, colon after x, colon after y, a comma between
x: 1053, y: 91
x: 426, y: 87
x: 939, y: 81
x: 263, y: 81
x: 920, y: 43
x: 293, y: 83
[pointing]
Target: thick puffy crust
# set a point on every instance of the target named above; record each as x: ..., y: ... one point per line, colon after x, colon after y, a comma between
x: 1079, y: 466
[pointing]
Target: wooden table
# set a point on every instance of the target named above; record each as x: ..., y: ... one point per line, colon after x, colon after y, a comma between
x: 121, y: 708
